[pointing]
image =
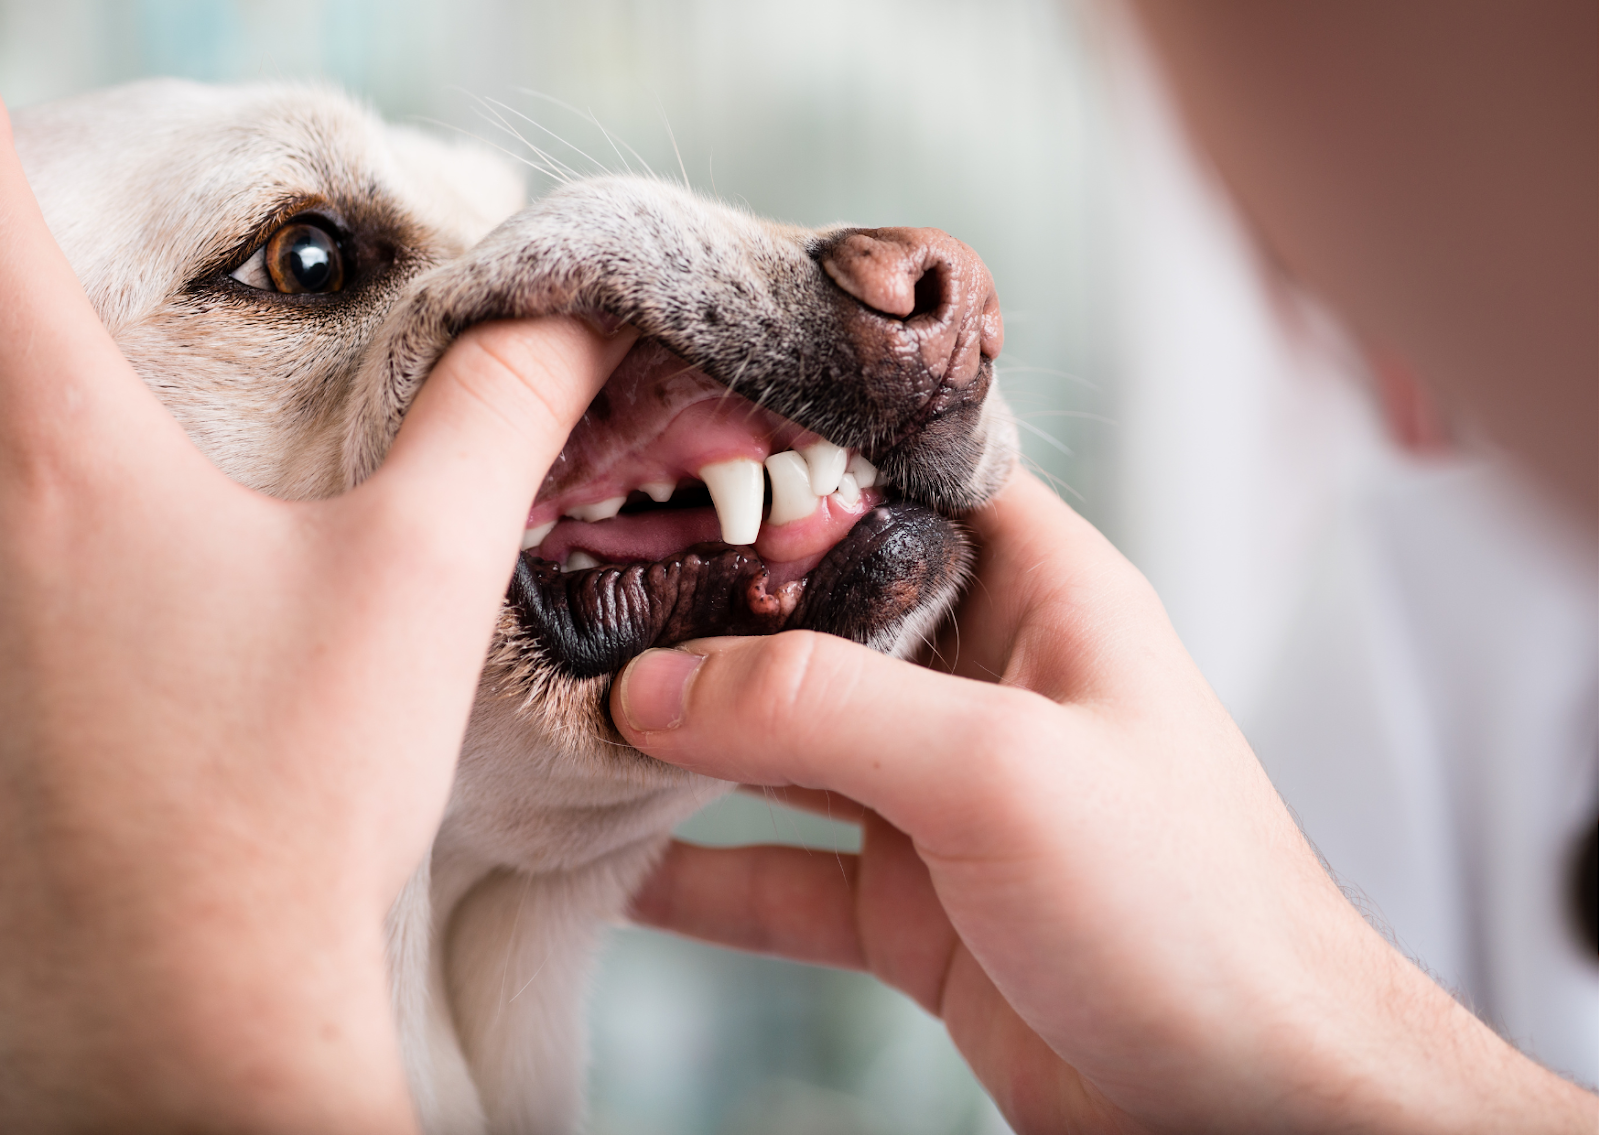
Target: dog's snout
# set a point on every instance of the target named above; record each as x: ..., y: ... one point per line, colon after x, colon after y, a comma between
x: 934, y: 285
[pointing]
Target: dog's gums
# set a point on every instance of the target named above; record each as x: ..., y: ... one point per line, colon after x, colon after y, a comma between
x: 657, y: 524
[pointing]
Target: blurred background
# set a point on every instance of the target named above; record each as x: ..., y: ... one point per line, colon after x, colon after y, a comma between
x: 1406, y: 633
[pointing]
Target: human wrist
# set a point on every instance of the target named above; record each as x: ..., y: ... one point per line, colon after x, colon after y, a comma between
x: 1402, y: 1055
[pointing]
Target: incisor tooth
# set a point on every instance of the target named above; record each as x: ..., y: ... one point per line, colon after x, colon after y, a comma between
x: 599, y: 510
x: 792, y: 498
x: 826, y: 462
x: 658, y: 491
x: 736, y: 490
x: 533, y: 537
x: 849, y: 494
x: 864, y: 471
x: 579, y: 560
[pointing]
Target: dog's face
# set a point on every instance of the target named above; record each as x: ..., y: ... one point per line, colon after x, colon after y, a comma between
x: 785, y: 447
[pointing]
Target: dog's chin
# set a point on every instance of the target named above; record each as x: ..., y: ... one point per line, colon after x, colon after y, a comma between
x: 622, y: 552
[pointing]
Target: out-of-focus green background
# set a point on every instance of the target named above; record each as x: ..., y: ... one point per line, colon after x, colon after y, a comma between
x: 983, y: 119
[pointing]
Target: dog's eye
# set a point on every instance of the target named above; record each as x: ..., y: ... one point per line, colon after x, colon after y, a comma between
x: 301, y: 258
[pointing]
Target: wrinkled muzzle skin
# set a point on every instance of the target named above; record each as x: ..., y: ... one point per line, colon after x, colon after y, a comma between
x: 170, y: 198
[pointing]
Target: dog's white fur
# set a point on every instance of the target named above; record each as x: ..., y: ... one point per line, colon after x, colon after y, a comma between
x: 552, y: 824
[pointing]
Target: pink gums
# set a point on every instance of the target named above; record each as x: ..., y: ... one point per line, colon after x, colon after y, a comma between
x: 660, y: 420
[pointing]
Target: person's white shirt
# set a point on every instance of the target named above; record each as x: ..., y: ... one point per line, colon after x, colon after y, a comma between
x: 1410, y: 645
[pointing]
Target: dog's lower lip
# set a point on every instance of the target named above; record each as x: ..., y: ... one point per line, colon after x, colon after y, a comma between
x: 590, y: 623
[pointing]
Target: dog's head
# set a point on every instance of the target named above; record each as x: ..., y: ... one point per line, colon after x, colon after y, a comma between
x: 787, y: 445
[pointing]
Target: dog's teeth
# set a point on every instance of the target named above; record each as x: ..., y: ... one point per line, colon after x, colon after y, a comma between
x: 599, y: 510
x: 533, y: 537
x: 849, y: 493
x: 659, y: 491
x: 736, y: 490
x: 579, y: 560
x: 792, y: 498
x: 864, y: 471
x: 826, y: 462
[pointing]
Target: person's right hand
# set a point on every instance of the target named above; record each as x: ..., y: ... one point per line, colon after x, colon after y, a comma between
x: 1072, y: 857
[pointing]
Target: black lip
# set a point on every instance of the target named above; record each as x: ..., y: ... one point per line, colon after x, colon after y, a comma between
x: 592, y: 622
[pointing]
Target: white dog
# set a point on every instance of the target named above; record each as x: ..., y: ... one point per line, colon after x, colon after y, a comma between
x: 784, y: 448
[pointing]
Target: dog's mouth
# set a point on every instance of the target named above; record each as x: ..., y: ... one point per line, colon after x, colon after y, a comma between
x: 679, y: 509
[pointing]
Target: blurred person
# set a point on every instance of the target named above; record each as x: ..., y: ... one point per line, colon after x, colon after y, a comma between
x: 1428, y: 169
x: 1400, y: 618
x: 1069, y: 853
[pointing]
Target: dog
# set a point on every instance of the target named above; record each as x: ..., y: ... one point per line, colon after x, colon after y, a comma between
x: 789, y: 445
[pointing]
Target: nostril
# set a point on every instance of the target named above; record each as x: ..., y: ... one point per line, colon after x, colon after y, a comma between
x: 928, y: 293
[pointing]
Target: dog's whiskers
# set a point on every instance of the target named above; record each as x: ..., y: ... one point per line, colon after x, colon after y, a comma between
x: 1049, y: 438
x: 1044, y: 474
x: 590, y: 115
x: 1014, y: 365
x: 667, y: 122
x: 565, y: 142
x: 554, y: 175
x: 1086, y: 415
x: 558, y: 169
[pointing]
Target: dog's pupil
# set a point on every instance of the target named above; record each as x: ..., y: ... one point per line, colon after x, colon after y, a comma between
x: 312, y: 264
x: 305, y: 258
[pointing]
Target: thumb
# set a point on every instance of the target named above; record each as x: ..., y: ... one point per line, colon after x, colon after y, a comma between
x: 922, y: 749
x: 487, y: 425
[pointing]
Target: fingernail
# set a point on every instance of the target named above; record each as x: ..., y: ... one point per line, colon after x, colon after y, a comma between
x: 653, y: 688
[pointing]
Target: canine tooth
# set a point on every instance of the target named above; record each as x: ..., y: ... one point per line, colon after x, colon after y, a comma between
x: 792, y: 498
x: 533, y: 537
x: 736, y: 491
x: 826, y: 462
x: 579, y: 560
x: 599, y: 510
x: 864, y: 471
x: 849, y: 493
x: 658, y: 491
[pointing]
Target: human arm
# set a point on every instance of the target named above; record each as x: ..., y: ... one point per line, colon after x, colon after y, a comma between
x: 1071, y: 856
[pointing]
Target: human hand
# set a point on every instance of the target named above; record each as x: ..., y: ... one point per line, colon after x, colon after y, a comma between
x: 1071, y: 856
x: 231, y: 722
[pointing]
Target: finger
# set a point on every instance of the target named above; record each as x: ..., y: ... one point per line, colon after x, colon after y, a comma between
x: 789, y: 901
x: 1050, y: 597
x: 488, y: 423
x: 64, y: 386
x: 830, y: 805
x: 938, y: 756
x: 877, y: 910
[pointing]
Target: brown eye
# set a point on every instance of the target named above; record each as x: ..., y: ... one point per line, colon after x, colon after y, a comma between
x: 303, y: 257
